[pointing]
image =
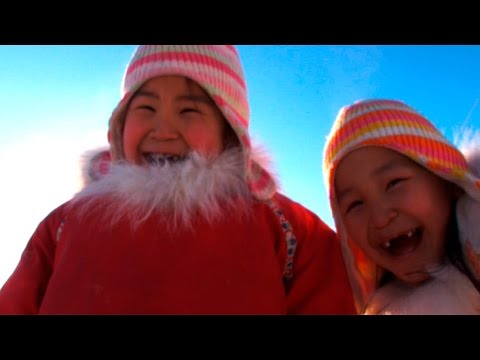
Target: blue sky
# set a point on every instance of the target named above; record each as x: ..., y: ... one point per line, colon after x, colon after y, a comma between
x: 56, y: 101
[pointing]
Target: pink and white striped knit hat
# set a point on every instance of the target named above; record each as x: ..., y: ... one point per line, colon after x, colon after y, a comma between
x: 395, y: 125
x: 218, y: 70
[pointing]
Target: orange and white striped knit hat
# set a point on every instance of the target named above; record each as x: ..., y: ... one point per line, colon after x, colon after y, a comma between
x: 394, y: 125
x: 218, y: 70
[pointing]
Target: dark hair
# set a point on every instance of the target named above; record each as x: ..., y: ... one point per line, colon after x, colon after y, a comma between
x: 454, y: 250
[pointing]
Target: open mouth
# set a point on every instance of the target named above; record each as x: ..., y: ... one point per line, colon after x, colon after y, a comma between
x: 403, y: 244
x: 155, y: 159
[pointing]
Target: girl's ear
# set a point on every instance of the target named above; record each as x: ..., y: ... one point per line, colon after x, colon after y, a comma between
x: 109, y: 136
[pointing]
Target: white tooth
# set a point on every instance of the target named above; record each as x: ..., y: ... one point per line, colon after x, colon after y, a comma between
x: 410, y: 234
x: 387, y: 244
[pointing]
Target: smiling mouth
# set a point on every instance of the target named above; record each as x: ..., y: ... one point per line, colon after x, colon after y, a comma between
x: 154, y: 159
x: 403, y: 244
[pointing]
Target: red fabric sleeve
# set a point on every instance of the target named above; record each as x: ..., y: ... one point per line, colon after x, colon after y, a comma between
x: 320, y: 283
x: 22, y: 293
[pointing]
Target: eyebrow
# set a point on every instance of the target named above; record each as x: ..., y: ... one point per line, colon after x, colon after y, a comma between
x: 343, y: 193
x: 189, y: 97
x: 147, y: 94
x: 389, y: 165
x: 196, y: 98
x: 378, y: 171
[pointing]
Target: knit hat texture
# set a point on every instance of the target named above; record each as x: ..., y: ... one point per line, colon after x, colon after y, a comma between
x: 395, y: 125
x: 218, y: 70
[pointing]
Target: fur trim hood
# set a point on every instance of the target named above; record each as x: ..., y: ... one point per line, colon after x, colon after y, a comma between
x: 96, y: 163
x: 197, y: 185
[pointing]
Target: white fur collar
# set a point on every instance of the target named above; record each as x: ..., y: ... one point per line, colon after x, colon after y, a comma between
x: 449, y: 292
x: 469, y: 144
x: 197, y: 185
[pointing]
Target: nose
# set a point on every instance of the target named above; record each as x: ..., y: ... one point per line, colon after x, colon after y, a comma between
x: 381, y: 215
x: 163, y: 128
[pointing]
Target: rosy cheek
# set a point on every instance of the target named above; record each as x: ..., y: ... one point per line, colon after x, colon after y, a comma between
x: 130, y: 146
x: 127, y: 149
x: 204, y: 148
x: 205, y: 142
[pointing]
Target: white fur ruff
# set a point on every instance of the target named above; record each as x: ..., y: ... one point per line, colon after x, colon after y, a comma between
x: 469, y: 145
x: 179, y: 191
x: 86, y: 160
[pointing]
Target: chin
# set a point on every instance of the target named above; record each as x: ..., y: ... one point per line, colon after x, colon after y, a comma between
x: 415, y: 279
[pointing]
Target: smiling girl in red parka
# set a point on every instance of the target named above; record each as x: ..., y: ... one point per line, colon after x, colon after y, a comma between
x: 186, y: 218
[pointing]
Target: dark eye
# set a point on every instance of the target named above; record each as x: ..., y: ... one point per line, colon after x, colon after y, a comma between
x: 354, y: 205
x: 141, y: 106
x: 145, y: 107
x: 394, y: 182
x: 188, y: 110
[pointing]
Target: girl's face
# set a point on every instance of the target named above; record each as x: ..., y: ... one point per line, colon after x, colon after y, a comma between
x: 168, y: 117
x: 395, y: 210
